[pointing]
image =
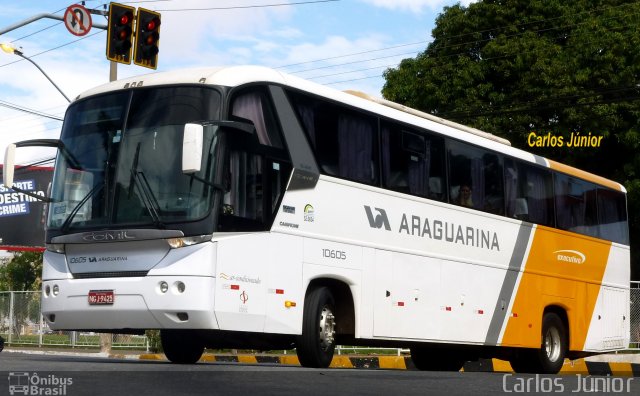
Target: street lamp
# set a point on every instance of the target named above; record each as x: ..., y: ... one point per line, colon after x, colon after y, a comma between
x: 8, y: 48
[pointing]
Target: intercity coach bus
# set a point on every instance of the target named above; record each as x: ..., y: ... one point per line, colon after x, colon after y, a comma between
x: 242, y: 207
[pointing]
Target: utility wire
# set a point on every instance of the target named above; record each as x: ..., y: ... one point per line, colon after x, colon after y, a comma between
x: 441, y: 47
x: 54, y: 48
x: 250, y: 6
x: 27, y: 110
x: 484, y: 59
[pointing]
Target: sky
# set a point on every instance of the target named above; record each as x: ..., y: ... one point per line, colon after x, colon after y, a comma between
x: 345, y: 44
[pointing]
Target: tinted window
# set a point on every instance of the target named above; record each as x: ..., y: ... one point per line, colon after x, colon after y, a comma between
x: 344, y: 141
x: 254, y: 106
x: 529, y: 193
x: 576, y: 205
x: 475, y: 178
x: 612, y: 216
x: 413, y: 162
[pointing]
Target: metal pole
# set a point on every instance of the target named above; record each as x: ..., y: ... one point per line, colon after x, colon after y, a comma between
x: 41, y: 335
x: 113, y: 71
x: 19, y: 53
x: 11, y: 312
x: 50, y: 16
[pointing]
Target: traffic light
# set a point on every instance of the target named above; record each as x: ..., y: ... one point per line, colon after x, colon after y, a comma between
x: 119, y: 33
x: 147, y: 39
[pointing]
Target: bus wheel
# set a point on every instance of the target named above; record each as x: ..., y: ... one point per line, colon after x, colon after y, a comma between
x: 554, y: 344
x: 316, y: 344
x: 550, y: 357
x: 427, y: 359
x: 181, y: 347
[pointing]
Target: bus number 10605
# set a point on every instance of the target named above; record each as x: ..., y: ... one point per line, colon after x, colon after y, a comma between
x: 334, y: 254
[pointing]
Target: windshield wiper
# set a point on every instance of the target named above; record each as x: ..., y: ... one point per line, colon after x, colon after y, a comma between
x: 91, y: 193
x: 147, y: 196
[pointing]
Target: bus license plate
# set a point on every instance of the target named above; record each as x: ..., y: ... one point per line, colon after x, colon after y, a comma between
x: 101, y: 297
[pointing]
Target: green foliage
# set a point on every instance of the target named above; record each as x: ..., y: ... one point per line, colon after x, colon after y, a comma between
x: 155, y: 344
x: 22, y: 272
x: 546, y: 66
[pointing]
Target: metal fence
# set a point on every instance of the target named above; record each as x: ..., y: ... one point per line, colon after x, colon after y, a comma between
x: 22, y: 324
x: 634, y: 316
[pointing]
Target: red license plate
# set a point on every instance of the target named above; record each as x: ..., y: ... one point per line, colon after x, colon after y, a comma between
x: 101, y: 297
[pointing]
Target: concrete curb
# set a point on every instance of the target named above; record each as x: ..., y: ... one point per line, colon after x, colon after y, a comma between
x: 598, y: 365
x: 580, y: 366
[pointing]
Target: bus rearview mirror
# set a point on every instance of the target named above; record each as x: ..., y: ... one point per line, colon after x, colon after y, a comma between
x: 192, y: 148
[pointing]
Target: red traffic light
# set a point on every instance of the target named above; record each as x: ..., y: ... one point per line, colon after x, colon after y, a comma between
x: 147, y: 38
x: 126, y: 18
x: 120, y: 33
x: 153, y: 24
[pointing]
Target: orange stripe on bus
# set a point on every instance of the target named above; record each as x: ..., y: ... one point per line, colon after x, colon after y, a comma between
x: 564, y: 270
x: 584, y: 175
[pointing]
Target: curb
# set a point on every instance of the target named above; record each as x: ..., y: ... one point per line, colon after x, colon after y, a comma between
x: 574, y: 367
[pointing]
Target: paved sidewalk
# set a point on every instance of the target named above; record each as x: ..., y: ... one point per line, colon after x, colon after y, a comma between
x: 621, y: 364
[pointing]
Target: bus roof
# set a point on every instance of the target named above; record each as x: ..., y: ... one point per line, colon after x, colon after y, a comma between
x: 233, y: 76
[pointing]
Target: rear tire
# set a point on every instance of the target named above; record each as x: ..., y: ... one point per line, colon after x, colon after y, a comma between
x: 553, y: 350
x: 427, y: 359
x: 316, y: 344
x: 182, y: 347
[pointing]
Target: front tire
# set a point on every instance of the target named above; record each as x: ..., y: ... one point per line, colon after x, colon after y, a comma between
x: 550, y: 357
x: 182, y: 347
x: 316, y: 344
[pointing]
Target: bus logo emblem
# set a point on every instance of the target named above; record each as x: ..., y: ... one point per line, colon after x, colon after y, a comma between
x: 570, y: 256
x: 380, y: 220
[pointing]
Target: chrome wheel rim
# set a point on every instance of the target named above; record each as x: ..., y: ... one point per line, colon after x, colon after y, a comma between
x: 327, y: 328
x: 553, y: 344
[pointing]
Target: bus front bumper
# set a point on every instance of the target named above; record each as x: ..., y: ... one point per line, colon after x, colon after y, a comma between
x: 138, y: 303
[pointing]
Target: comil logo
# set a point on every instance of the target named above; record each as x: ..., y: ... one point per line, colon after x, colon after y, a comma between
x: 570, y: 256
x: 380, y: 220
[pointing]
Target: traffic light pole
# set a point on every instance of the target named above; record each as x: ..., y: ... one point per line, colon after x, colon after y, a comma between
x: 49, y: 16
x: 113, y: 71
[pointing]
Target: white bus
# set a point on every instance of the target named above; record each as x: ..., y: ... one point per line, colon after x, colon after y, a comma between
x: 245, y: 208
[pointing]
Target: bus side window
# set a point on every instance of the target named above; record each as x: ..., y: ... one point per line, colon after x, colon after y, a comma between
x: 245, y: 191
x: 529, y: 193
x: 575, y: 205
x: 612, y: 216
x: 412, y: 162
x: 253, y: 105
x: 344, y: 141
x: 476, y: 178
x: 256, y: 180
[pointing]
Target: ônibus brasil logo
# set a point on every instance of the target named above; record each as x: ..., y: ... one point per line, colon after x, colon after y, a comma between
x: 21, y: 383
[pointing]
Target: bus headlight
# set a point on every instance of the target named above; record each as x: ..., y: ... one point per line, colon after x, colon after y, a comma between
x: 164, y: 286
x: 176, y: 243
x: 55, y: 247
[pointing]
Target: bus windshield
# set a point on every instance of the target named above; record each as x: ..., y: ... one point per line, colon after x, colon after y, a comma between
x: 120, y: 164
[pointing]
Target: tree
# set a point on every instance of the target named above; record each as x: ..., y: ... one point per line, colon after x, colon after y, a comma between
x: 23, y: 272
x: 513, y: 67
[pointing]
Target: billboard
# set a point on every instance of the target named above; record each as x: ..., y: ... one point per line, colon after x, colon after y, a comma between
x: 22, y: 217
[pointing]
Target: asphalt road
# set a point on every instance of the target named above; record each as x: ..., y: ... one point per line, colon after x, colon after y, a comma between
x: 94, y: 375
